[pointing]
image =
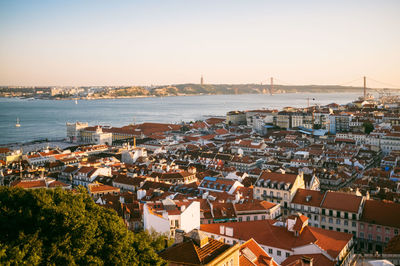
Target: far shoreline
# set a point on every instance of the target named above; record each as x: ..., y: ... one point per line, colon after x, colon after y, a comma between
x: 156, y: 96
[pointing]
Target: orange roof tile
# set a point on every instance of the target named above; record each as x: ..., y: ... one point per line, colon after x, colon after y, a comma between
x: 265, y: 233
x: 287, y: 178
x: 308, y: 197
x: 342, y: 201
x: 381, y: 212
x: 190, y: 253
x: 317, y: 259
x: 262, y: 258
x: 29, y: 183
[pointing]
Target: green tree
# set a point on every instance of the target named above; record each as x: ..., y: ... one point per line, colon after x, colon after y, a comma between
x: 368, y: 127
x: 61, y: 227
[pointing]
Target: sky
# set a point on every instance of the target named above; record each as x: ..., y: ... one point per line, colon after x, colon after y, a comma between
x: 88, y: 43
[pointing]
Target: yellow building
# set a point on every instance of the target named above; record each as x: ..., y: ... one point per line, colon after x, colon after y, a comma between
x: 10, y: 156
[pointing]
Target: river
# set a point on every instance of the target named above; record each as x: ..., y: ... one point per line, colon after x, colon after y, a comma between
x: 41, y: 119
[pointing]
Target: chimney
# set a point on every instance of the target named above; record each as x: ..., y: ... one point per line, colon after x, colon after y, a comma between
x: 179, y: 236
x: 222, y: 230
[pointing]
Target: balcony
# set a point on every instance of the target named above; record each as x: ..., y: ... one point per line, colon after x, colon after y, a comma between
x: 265, y: 197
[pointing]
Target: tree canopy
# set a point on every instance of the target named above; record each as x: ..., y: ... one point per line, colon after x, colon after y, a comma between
x: 368, y: 127
x: 62, y: 227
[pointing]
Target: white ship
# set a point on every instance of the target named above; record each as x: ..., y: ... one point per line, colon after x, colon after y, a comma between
x: 17, y: 124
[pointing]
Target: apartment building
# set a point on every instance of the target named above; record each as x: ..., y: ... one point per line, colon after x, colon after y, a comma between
x: 168, y: 215
x: 278, y: 187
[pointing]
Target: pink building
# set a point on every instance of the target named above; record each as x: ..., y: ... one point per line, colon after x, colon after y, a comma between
x: 379, y: 222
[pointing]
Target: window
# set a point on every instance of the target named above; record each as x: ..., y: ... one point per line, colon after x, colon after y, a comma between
x: 323, y: 226
x: 323, y: 211
x: 287, y: 254
x: 346, y: 215
x: 369, y: 237
x: 345, y: 222
x: 315, y: 217
x: 240, y: 219
x: 338, y: 229
x: 284, y: 195
x: 258, y: 191
x: 378, y: 238
x: 255, y: 218
x: 353, y: 224
x: 396, y: 232
x: 279, y: 253
x: 330, y: 213
x: 354, y: 216
x: 386, y: 239
x: 361, y: 226
x: 270, y: 251
x: 346, y: 231
x: 387, y: 230
x: 330, y: 228
x: 263, y: 217
x: 369, y: 227
x: 354, y: 233
x: 338, y: 214
x: 323, y: 219
x: 337, y: 221
x: 278, y: 194
x: 378, y: 229
x: 248, y: 218
x: 331, y: 220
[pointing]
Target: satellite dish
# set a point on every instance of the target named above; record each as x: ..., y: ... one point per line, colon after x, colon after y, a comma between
x: 221, y: 149
x: 240, y: 151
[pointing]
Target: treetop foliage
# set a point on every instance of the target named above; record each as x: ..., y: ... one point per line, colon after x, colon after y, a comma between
x: 61, y: 227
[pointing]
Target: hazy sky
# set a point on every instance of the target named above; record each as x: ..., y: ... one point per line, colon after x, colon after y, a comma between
x: 166, y: 42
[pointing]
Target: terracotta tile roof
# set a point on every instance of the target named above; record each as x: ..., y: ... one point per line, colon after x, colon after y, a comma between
x: 133, y: 181
x: 381, y: 212
x: 86, y: 169
x: 342, y: 201
x: 260, y: 256
x: 70, y: 169
x: 298, y: 260
x: 223, y: 210
x: 99, y: 188
x: 58, y: 184
x: 254, y: 206
x: 308, y: 197
x: 286, y: 178
x: 221, y: 131
x: 171, y: 175
x: 190, y: 253
x: 393, y: 247
x: 4, y: 150
x: 265, y: 233
x: 29, y: 183
x: 215, y: 120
